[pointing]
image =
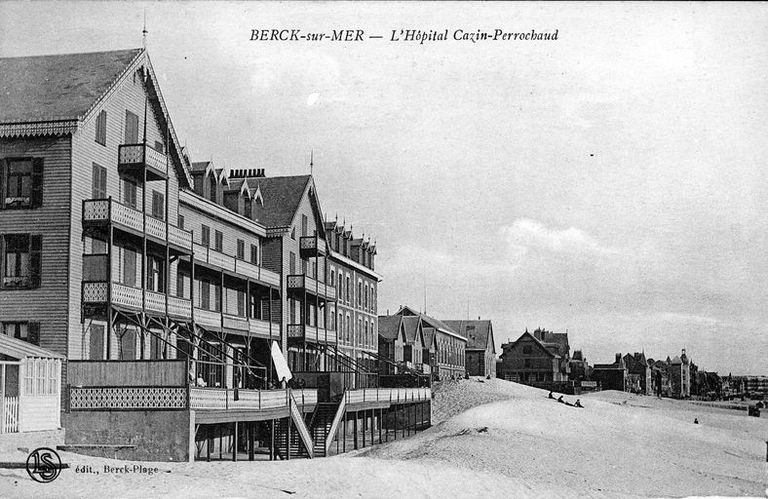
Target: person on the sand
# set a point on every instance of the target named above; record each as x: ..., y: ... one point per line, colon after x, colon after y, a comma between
x: 578, y: 403
x: 550, y: 395
x: 560, y: 399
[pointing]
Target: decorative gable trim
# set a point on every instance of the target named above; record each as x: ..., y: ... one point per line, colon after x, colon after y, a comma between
x: 38, y: 129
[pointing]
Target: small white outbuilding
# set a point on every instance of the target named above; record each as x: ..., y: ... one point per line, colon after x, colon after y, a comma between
x: 30, y: 387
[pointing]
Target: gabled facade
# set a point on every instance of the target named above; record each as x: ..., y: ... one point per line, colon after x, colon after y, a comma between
x: 447, y: 347
x: 612, y: 376
x: 528, y: 360
x: 481, y: 347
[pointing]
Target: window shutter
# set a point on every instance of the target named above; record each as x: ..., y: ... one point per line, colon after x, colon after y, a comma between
x: 37, y: 183
x: 35, y: 248
x: 33, y: 333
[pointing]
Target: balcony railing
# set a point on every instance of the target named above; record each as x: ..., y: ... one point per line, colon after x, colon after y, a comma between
x: 110, y: 211
x: 388, y: 395
x: 231, y: 264
x: 132, y: 158
x: 101, y: 292
x: 310, y: 246
x: 311, y: 333
x: 302, y: 281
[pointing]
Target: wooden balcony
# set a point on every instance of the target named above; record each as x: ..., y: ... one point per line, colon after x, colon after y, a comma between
x: 102, y: 212
x: 208, y: 319
x: 311, y: 334
x: 242, y: 268
x: 97, y: 294
x: 134, y: 159
x: 311, y: 246
x: 258, y: 327
x: 302, y: 282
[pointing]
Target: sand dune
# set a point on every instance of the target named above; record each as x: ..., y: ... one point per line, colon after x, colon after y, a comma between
x: 492, y: 439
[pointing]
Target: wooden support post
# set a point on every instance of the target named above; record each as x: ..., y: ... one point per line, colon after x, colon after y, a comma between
x: 272, y: 441
x: 346, y: 416
x: 221, y: 442
x: 354, y: 429
x: 209, y: 442
x: 381, y: 411
x: 234, y: 443
x: 251, y: 441
x: 288, y: 441
x: 365, y: 424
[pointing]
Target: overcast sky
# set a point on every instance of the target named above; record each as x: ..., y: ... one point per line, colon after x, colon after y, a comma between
x: 611, y: 183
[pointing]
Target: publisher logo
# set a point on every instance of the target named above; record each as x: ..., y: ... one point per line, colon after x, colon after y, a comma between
x: 43, y: 465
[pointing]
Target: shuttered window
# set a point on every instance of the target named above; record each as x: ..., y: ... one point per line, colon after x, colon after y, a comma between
x: 131, y: 128
x: 21, y: 183
x: 101, y: 128
x: 205, y: 236
x: 219, y: 242
x: 304, y: 225
x: 240, y: 249
x: 99, y: 182
x: 254, y: 254
x: 21, y: 261
x: 158, y: 205
x: 129, y: 193
x: 129, y: 267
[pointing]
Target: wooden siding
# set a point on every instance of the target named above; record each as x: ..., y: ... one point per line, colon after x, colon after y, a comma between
x: 47, y: 304
x: 128, y: 95
x: 128, y: 373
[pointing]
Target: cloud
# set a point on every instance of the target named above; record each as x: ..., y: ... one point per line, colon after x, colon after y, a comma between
x: 526, y: 234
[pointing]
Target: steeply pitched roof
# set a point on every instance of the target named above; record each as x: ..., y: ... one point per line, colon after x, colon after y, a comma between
x: 429, y: 321
x: 535, y: 340
x: 389, y: 326
x: 476, y: 332
x: 282, y: 196
x: 411, y: 324
x: 57, y: 87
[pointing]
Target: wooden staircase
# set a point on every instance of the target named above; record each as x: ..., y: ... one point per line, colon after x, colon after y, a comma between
x: 298, y: 450
x: 320, y: 425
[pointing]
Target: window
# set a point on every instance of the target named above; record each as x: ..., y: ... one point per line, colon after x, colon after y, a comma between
x: 21, y: 260
x: 217, y: 298
x: 129, y: 193
x: 205, y: 295
x: 254, y: 254
x: 365, y: 297
x: 181, y: 221
x: 304, y: 225
x: 292, y: 263
x: 359, y: 293
x: 129, y: 267
x: 198, y: 180
x: 158, y: 205
x: 241, y: 303
x: 159, y: 146
x: 155, y: 274
x: 240, y: 249
x: 21, y: 183
x: 99, y: 182
x: 101, y: 128
x: 333, y: 277
x: 293, y: 233
x: 219, y: 242
x: 96, y: 342
x: 131, y: 128
x: 347, y: 288
x: 205, y: 236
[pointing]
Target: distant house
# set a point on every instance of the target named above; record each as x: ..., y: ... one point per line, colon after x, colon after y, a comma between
x: 579, y: 367
x: 680, y: 376
x: 639, y: 373
x: 481, y: 348
x: 446, y: 346
x: 612, y: 376
x: 530, y: 361
x: 660, y: 383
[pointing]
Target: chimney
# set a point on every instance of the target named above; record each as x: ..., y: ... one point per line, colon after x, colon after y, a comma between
x: 260, y: 173
x: 618, y: 358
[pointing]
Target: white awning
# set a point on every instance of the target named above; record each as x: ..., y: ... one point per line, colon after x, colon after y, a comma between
x: 281, y: 366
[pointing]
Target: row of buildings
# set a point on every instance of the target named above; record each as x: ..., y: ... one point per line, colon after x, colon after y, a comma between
x: 167, y: 308
x: 543, y: 358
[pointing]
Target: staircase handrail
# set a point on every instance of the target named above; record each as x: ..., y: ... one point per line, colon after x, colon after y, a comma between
x: 301, y: 426
x: 336, y: 422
